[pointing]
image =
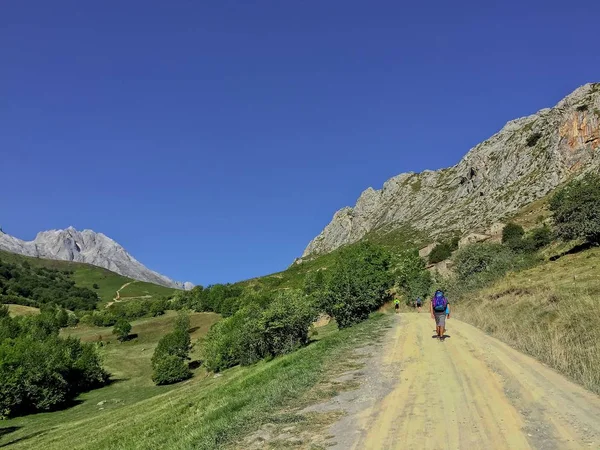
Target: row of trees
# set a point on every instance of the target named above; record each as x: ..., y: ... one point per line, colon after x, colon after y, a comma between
x: 269, y: 324
x: 39, y: 370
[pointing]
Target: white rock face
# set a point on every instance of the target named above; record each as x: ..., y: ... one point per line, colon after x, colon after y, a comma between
x: 521, y: 163
x: 88, y: 247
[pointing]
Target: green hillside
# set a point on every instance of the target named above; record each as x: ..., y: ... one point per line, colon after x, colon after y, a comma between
x: 86, y: 275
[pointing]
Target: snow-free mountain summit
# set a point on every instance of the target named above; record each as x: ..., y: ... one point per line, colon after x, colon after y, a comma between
x: 523, y: 162
x: 89, y: 247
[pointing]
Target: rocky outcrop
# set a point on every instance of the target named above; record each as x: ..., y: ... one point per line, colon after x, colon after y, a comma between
x: 523, y: 162
x: 88, y: 247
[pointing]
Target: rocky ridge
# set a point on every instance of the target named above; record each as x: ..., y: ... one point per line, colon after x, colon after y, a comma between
x: 88, y: 247
x: 521, y: 163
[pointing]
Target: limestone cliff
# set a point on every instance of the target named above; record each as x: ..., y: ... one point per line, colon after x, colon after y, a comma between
x: 524, y: 161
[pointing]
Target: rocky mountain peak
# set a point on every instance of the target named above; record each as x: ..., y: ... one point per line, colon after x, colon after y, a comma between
x: 89, y: 247
x: 529, y: 157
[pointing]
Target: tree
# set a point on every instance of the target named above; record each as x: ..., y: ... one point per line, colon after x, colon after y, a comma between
x: 576, y: 210
x: 358, y: 283
x: 512, y: 233
x: 411, y: 276
x: 95, y: 286
x: 169, y: 361
x: 122, y: 329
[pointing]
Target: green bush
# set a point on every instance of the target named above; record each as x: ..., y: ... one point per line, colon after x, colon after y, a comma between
x: 576, y: 210
x: 62, y: 318
x: 539, y: 238
x: 512, y: 233
x: 440, y: 252
x: 158, y: 307
x: 122, y: 329
x: 169, y: 361
x: 170, y: 369
x: 358, y: 283
x: 253, y: 333
x: 40, y: 371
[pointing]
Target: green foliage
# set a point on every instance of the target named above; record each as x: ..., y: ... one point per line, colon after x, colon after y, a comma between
x: 358, y: 283
x: 256, y: 332
x: 479, y: 264
x: 576, y: 210
x: 62, y: 318
x: 170, y: 369
x: 314, y: 282
x: 158, y: 307
x: 223, y: 299
x: 169, y: 359
x: 411, y: 276
x: 440, y: 253
x: 122, y: 329
x: 25, y: 285
x: 39, y: 370
x: 540, y: 237
x: 512, y: 233
x: 95, y: 286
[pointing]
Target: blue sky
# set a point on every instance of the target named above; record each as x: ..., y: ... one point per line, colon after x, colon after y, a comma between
x: 213, y: 140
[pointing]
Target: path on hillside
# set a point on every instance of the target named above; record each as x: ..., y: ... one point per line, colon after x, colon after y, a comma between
x: 469, y: 392
x: 118, y: 294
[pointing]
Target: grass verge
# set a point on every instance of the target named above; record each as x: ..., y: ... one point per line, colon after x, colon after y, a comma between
x: 547, y: 312
x: 203, y: 413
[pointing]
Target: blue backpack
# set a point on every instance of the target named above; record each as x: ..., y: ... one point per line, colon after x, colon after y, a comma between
x: 439, y: 302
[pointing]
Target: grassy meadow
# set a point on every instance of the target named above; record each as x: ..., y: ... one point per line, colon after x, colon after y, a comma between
x: 547, y: 312
x: 205, y: 412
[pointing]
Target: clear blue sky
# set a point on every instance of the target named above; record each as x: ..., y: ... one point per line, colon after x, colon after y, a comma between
x: 213, y: 140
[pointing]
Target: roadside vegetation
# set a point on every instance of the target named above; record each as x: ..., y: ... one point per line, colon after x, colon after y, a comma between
x: 538, y: 304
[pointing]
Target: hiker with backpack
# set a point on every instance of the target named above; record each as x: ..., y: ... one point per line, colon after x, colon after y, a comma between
x: 438, y: 307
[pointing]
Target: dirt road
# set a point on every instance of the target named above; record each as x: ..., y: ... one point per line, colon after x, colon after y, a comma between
x: 469, y: 392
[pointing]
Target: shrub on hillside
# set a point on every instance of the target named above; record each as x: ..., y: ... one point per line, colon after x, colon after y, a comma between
x: 512, y: 233
x: 253, y: 333
x: 169, y: 361
x: 158, y: 307
x: 170, y: 369
x: 358, y: 283
x: 39, y: 370
x: 576, y: 210
x: 122, y: 329
x: 440, y: 253
x: 483, y: 258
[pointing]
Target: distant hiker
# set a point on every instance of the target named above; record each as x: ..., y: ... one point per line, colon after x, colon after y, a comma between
x: 419, y: 304
x: 437, y: 307
x: 397, y: 304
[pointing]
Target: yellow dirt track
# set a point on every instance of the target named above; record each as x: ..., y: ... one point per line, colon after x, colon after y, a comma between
x: 472, y: 392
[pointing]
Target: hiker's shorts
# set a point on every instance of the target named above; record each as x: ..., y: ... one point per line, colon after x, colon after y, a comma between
x: 440, y: 319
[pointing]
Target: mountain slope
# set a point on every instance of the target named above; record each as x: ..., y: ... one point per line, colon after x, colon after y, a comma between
x: 86, y: 276
x: 521, y: 163
x: 88, y: 247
